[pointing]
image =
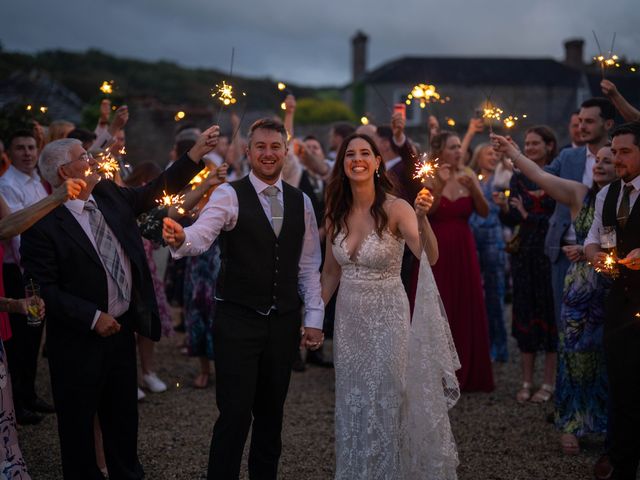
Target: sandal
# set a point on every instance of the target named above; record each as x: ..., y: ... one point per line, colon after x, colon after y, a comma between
x: 544, y: 394
x: 569, y: 444
x: 201, y: 381
x: 524, y: 393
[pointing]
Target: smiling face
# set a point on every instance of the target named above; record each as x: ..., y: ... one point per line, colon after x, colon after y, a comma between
x: 360, y: 163
x: 535, y: 148
x: 604, y: 171
x: 487, y: 159
x: 266, y: 154
x: 626, y: 156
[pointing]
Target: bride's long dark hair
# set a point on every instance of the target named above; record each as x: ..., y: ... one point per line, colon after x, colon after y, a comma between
x: 339, y: 197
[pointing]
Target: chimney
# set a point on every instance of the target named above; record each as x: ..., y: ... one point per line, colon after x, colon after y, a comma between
x: 358, y: 55
x: 574, y: 53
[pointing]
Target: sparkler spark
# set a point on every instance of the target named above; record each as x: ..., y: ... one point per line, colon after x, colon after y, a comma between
x: 425, y: 169
x: 492, y: 112
x: 451, y: 122
x: 179, y: 116
x: 224, y: 93
x: 511, y: 121
x: 106, y: 166
x: 199, y: 178
x: 107, y: 87
x: 364, y: 120
x: 43, y: 109
x: 424, y: 94
x: 610, y: 266
x: 171, y: 201
x: 281, y: 86
x: 29, y: 108
x: 122, y: 151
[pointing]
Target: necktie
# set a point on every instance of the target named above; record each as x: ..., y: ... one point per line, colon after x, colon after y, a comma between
x: 106, y: 245
x: 276, y: 209
x: 623, y: 209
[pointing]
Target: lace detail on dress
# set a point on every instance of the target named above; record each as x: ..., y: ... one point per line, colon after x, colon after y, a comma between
x: 391, y: 410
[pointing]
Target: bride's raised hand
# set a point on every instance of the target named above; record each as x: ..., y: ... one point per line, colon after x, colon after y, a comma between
x: 423, y: 203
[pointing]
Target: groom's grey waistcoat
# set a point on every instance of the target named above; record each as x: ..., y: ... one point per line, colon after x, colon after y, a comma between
x: 260, y: 270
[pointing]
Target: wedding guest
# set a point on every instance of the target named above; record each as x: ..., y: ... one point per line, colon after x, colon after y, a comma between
x: 21, y: 187
x: 88, y: 258
x: 581, y: 385
x: 489, y: 237
x: 528, y: 207
x: 457, y: 194
x: 616, y: 208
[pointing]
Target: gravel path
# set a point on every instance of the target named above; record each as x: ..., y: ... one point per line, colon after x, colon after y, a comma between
x: 497, y: 438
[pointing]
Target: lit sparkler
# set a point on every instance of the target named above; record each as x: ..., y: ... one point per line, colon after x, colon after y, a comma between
x: 179, y: 116
x: 106, y: 166
x: 451, y: 122
x: 169, y: 201
x: 425, y: 169
x: 43, y: 109
x: 491, y: 113
x: 29, y: 108
x: 199, y: 178
x: 425, y: 94
x: 107, y: 87
x: 281, y: 86
x: 364, y: 120
x: 610, y: 266
x: 224, y: 93
x: 609, y: 60
x: 511, y: 121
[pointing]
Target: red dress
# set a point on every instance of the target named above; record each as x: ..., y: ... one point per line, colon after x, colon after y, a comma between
x: 457, y: 274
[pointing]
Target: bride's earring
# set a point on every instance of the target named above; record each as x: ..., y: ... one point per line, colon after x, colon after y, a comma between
x: 378, y: 172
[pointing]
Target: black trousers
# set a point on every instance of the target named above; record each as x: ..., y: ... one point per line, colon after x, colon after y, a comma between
x: 622, y: 350
x: 23, y: 346
x: 99, y: 376
x: 253, y: 358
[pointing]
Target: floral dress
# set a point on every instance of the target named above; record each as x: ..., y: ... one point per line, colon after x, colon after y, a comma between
x: 581, y: 384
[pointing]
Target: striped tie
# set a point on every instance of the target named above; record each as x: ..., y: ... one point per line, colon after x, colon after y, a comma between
x: 623, y: 210
x: 106, y: 246
x: 276, y: 209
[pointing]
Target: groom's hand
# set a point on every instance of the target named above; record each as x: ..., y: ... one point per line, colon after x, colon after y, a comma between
x: 312, y: 338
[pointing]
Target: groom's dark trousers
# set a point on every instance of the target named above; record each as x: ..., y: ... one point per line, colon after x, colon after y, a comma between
x: 253, y: 358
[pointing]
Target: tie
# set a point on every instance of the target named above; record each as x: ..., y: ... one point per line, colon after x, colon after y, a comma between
x: 623, y: 210
x: 276, y: 208
x: 106, y: 245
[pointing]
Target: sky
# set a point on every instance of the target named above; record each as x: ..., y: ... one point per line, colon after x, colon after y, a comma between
x: 309, y: 42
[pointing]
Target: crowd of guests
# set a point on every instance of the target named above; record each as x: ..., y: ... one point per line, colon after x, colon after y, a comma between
x: 526, y: 222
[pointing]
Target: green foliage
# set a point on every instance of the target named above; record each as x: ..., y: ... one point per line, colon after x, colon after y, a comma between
x: 313, y: 111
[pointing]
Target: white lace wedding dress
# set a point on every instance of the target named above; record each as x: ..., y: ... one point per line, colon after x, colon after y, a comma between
x: 395, y: 379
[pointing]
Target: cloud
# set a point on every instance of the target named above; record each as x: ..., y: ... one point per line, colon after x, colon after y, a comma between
x: 309, y: 42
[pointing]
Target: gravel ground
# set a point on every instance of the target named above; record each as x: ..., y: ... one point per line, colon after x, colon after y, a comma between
x: 497, y: 438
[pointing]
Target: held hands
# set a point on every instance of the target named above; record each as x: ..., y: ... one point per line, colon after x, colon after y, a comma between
x: 423, y: 203
x: 312, y: 338
x: 106, y: 325
x: 172, y: 232
x: 631, y: 261
x: 574, y: 253
x: 205, y: 143
x: 69, y: 190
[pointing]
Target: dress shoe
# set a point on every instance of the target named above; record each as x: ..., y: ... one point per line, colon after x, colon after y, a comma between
x: 39, y: 405
x: 27, y: 417
x: 603, y: 470
x: 153, y: 383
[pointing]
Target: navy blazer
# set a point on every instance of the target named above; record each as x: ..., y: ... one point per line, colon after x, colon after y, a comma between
x: 569, y: 164
x: 59, y: 256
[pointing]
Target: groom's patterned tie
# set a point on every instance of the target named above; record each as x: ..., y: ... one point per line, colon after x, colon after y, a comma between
x: 107, y: 248
x: 277, y: 212
x: 623, y: 210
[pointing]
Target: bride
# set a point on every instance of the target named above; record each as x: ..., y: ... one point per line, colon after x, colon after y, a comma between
x: 395, y: 378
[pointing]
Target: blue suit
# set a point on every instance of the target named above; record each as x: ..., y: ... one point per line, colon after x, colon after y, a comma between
x: 569, y: 164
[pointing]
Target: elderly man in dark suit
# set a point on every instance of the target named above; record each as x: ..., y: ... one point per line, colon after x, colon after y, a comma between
x: 88, y: 258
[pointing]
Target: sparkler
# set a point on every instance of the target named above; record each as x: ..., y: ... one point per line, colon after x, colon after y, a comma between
x: 43, y: 109
x: 107, y: 87
x: 425, y: 169
x: 224, y: 93
x: 424, y: 94
x: 511, y: 121
x: 199, y: 178
x: 491, y: 113
x: 610, y: 59
x: 169, y: 201
x: 179, y: 116
x: 106, y: 166
x: 364, y: 120
x: 450, y: 121
x: 610, y: 266
x: 29, y: 108
x: 281, y: 86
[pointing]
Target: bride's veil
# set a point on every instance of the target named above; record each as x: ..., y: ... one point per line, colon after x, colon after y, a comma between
x: 432, y: 387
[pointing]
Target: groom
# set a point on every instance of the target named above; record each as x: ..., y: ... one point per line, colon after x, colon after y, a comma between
x: 270, y: 255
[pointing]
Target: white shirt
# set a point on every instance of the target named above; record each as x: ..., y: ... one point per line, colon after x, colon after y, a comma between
x: 20, y: 191
x: 388, y: 165
x: 117, y: 306
x: 587, y: 176
x: 594, y: 233
x: 221, y: 214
